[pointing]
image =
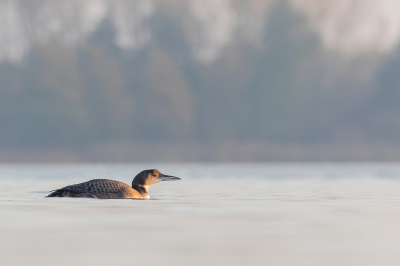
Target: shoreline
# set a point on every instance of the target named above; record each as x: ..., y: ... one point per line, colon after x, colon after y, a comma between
x: 214, y: 153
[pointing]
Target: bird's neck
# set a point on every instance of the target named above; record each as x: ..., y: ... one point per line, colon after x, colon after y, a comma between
x: 142, y: 189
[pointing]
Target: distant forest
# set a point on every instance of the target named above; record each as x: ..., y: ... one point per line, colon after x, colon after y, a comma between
x: 281, y: 87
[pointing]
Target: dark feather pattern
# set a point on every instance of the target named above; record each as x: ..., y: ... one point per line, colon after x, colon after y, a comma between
x: 110, y: 189
x: 98, y: 188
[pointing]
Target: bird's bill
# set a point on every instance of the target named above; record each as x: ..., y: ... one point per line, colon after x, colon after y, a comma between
x: 168, y: 178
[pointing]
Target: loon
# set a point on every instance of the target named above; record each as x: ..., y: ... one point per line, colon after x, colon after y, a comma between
x: 110, y: 189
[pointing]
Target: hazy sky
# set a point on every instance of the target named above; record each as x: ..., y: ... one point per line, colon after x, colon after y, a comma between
x: 351, y: 27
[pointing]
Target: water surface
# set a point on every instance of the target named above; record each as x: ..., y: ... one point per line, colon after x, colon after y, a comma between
x: 222, y: 214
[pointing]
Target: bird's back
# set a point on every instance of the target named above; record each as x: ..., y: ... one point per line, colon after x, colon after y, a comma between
x: 98, y: 188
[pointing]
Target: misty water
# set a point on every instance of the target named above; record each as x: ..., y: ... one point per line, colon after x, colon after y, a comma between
x: 218, y: 214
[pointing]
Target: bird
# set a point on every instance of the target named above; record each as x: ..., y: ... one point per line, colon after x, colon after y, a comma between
x: 110, y: 189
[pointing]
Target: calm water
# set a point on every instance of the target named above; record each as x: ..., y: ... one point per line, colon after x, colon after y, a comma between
x: 242, y: 214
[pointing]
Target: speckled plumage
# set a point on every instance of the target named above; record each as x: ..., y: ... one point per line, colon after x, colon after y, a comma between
x: 98, y: 188
x: 110, y: 189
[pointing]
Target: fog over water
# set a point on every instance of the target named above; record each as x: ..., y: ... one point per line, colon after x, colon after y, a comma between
x: 172, y: 84
x: 100, y: 80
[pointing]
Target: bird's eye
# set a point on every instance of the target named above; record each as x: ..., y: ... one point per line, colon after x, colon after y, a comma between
x: 154, y: 174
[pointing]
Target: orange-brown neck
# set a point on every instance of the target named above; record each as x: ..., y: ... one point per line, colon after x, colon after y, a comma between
x: 143, y: 190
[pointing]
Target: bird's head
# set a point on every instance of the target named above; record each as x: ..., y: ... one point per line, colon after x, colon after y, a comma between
x: 150, y: 177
